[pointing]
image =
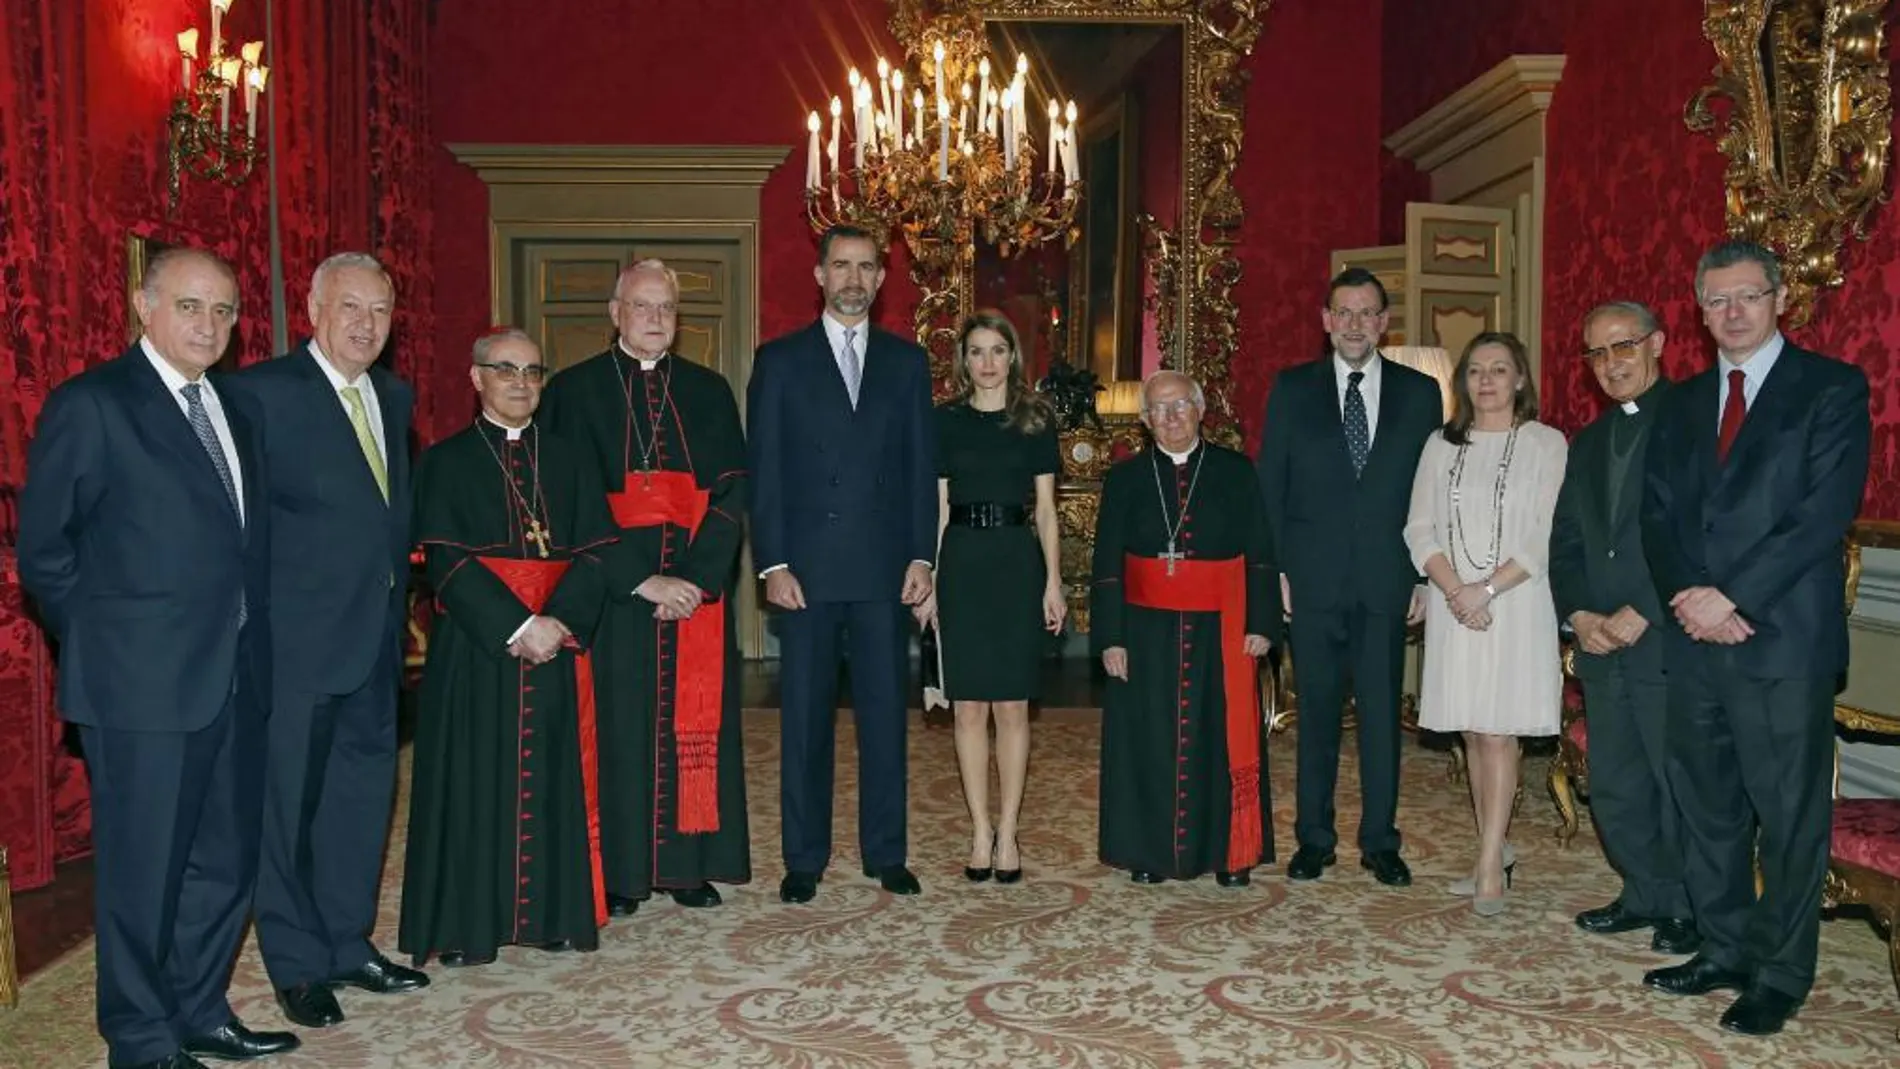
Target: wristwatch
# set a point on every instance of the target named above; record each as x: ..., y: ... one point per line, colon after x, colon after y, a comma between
x: 1490, y: 590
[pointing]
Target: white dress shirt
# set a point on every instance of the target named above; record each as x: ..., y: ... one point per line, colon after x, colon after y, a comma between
x: 176, y: 383
x: 834, y: 333
x: 366, y: 388
x: 1754, y: 373
x: 1368, y: 389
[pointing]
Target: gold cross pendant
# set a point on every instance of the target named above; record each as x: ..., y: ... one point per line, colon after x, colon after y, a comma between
x: 539, y: 536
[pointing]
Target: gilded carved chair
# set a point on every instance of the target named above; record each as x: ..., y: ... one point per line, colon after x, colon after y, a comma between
x: 9, y: 975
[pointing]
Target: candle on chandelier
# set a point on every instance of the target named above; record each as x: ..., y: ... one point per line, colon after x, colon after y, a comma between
x: 884, y: 84
x: 188, y: 51
x: 837, y: 110
x: 896, y: 107
x: 1021, y: 95
x: 983, y: 94
x: 859, y: 120
x: 1069, y: 147
x: 943, y: 140
x: 1009, y: 129
x: 812, y: 173
x: 857, y: 131
x: 218, y: 8
x: 230, y: 71
x: 1055, y: 117
x: 936, y: 53
x: 917, y: 100
x: 963, y: 111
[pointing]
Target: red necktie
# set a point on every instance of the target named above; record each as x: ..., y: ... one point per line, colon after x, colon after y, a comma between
x: 1732, y: 413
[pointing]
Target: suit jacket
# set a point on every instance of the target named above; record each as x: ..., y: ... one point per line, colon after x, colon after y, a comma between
x: 339, y: 553
x: 132, y: 551
x: 1597, y: 563
x: 1339, y: 539
x: 847, y: 498
x: 1766, y: 526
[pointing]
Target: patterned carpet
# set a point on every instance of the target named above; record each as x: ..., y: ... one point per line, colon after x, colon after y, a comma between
x: 1073, y: 967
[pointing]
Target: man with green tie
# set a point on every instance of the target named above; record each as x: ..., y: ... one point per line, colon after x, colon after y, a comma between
x: 336, y: 433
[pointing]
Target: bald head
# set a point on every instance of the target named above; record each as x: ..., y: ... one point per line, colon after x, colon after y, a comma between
x: 1172, y: 405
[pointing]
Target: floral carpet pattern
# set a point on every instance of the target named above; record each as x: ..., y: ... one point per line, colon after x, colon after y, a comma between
x: 1075, y: 966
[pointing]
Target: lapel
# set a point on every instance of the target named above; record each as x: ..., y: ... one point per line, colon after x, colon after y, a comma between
x: 1332, y: 424
x: 336, y: 425
x: 157, y: 414
x: 1592, y: 454
x: 825, y: 372
x: 1391, y: 399
x: 395, y: 431
x: 244, y: 438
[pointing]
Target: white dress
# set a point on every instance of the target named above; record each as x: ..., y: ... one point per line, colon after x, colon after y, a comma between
x: 1508, y: 679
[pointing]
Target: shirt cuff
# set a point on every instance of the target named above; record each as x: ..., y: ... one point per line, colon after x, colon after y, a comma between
x: 926, y: 564
x: 773, y: 568
x: 518, y: 631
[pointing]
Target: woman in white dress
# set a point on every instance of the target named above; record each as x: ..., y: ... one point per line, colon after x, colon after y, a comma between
x: 1479, y: 529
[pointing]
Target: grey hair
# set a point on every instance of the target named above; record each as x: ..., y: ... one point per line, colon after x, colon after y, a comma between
x: 164, y: 261
x: 342, y: 260
x: 487, y: 342
x: 649, y: 264
x: 1194, y: 388
x: 1738, y: 251
x: 1645, y: 319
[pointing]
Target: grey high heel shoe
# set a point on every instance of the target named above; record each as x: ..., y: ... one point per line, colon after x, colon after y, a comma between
x: 1468, y: 887
x: 1491, y: 907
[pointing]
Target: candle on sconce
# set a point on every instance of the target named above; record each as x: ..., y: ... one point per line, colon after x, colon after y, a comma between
x: 896, y: 107
x: 230, y: 72
x: 813, y: 176
x: 218, y: 8
x: 252, y: 52
x: 253, y: 90
x: 188, y: 51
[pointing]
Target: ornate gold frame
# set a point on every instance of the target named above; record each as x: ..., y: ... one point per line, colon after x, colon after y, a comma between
x: 1807, y: 132
x: 1216, y: 36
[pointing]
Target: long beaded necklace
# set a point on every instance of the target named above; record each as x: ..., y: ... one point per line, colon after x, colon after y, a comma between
x: 537, y: 530
x: 1174, y: 526
x: 648, y: 446
x: 1462, y: 545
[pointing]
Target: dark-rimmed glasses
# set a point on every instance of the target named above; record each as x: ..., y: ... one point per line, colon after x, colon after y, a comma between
x: 1625, y: 348
x: 510, y: 372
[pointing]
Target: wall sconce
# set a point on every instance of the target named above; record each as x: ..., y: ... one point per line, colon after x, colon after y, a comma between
x: 204, y: 138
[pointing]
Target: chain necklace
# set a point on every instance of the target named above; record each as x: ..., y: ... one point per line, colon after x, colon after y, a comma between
x: 1462, y: 545
x: 649, y: 447
x: 1174, y: 527
x: 537, y: 531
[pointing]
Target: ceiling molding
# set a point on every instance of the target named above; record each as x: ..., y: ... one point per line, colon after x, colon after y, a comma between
x: 703, y: 165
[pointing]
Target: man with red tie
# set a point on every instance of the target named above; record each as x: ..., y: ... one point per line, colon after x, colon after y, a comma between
x: 1754, y: 475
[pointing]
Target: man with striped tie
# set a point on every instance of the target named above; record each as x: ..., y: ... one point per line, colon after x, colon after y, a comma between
x: 336, y: 446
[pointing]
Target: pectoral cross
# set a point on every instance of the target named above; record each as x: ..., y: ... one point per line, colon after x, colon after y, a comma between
x: 1171, y: 556
x: 539, y: 536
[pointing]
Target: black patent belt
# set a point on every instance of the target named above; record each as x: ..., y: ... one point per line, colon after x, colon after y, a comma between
x: 988, y: 514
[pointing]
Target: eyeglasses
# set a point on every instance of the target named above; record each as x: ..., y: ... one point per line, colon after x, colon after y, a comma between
x: 1356, y: 315
x: 508, y: 372
x: 1624, y: 348
x: 660, y: 311
x: 1179, y: 407
x: 1749, y: 299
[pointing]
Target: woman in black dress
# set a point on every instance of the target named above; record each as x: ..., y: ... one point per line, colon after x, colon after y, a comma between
x: 998, y: 578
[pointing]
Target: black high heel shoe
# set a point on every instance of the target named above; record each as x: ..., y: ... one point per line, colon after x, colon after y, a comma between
x: 976, y: 875
x: 1009, y: 875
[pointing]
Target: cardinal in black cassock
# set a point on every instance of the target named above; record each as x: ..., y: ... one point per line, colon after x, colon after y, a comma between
x: 1185, y: 598
x: 503, y: 842
x: 662, y: 435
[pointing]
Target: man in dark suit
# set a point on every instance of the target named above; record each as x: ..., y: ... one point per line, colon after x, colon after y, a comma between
x: 143, y: 541
x: 1603, y: 589
x: 844, y: 529
x: 1755, y: 471
x: 1337, y: 456
x: 336, y: 440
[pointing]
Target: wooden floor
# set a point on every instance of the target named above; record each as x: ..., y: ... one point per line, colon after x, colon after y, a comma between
x: 53, y: 919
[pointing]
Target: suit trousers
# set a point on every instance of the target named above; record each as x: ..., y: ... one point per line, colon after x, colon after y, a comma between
x: 1748, y: 755
x: 812, y: 641
x: 1630, y: 801
x: 327, y: 804
x: 175, y: 840
x: 1329, y: 647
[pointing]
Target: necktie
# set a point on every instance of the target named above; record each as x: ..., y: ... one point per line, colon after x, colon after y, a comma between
x: 853, y: 369
x: 1358, y: 431
x: 200, y: 420
x: 1732, y: 412
x: 359, y: 421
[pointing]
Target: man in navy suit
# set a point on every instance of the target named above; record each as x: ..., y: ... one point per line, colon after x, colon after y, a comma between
x: 336, y: 440
x: 143, y: 541
x: 1338, y: 451
x: 844, y: 530
x: 1754, y: 474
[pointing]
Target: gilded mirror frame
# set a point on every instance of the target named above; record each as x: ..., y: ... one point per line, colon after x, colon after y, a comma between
x: 1217, y: 35
x: 1807, y: 130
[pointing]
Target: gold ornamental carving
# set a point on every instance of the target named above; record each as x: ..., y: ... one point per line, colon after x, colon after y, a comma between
x: 1807, y: 129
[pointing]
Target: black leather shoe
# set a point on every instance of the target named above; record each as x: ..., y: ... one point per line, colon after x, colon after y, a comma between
x: 897, y: 879
x: 555, y: 946
x: 798, y: 887
x: 1675, y: 935
x: 1697, y: 976
x: 1613, y: 918
x: 622, y: 906
x: 236, y: 1043
x: 1308, y: 862
x: 1233, y: 879
x: 1387, y: 867
x: 309, y: 1005
x: 381, y: 976
x: 704, y: 896
x: 459, y: 959
x: 181, y: 1060
x: 1148, y: 878
x: 1761, y: 1011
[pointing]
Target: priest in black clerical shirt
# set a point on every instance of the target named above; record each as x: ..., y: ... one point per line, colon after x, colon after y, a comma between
x: 1603, y: 589
x: 503, y: 815
x: 1185, y: 598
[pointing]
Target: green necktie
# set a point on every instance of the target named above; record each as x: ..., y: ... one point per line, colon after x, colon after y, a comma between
x: 359, y: 420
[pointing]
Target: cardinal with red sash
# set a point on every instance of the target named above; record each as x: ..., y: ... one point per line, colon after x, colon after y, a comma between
x: 504, y: 828
x: 1185, y: 599
x: 662, y: 435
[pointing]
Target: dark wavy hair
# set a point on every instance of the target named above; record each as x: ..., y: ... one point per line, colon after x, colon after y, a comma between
x: 1463, y: 412
x: 1028, y: 412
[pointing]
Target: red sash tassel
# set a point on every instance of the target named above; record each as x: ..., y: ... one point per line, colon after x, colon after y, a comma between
x: 647, y: 500
x: 533, y: 581
x: 1218, y: 586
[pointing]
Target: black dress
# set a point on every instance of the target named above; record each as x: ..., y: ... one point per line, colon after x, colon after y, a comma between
x: 990, y: 580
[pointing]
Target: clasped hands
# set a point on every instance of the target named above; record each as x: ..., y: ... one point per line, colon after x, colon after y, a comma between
x: 1707, y: 615
x: 1115, y: 658
x: 1601, y: 635
x: 541, y: 640
x: 1470, y: 605
x: 673, y: 599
